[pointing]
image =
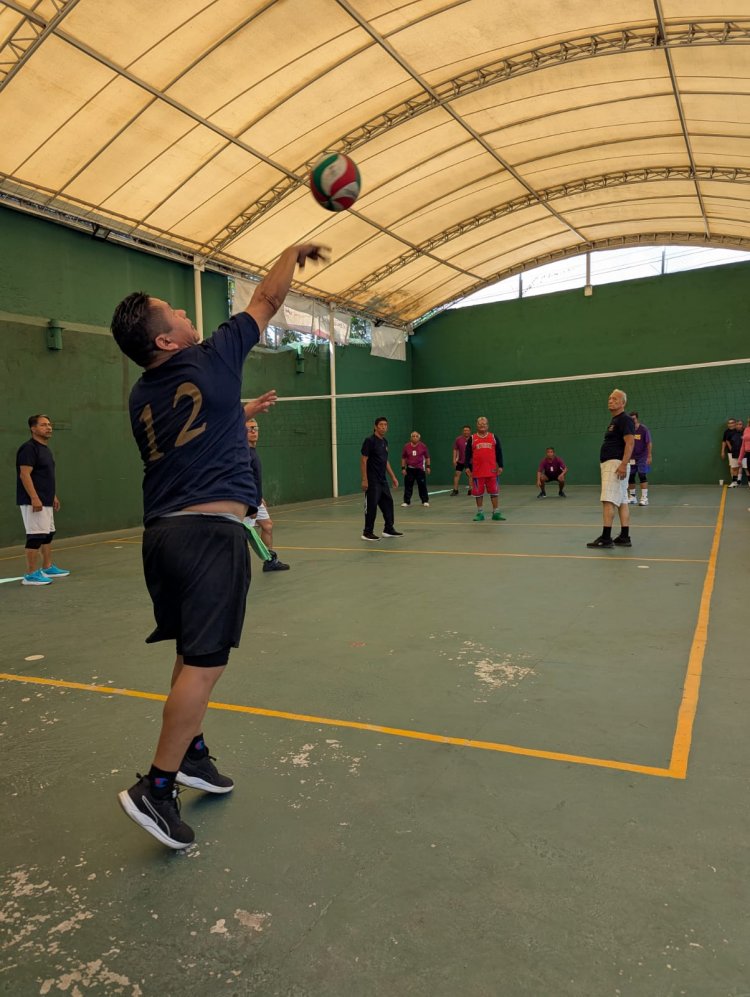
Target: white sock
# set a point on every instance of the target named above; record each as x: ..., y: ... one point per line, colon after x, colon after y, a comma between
x: 644, y: 494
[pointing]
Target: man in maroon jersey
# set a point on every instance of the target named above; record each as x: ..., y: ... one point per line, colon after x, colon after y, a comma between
x: 552, y: 468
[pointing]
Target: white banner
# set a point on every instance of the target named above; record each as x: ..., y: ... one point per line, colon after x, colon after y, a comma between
x: 388, y: 342
x: 300, y: 314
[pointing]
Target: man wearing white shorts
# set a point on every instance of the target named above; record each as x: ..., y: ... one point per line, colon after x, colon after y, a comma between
x: 614, y: 459
x: 38, y: 502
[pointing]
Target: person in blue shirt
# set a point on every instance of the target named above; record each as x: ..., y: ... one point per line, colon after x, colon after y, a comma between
x: 189, y: 423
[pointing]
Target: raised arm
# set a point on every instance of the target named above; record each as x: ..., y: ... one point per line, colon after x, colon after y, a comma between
x: 269, y: 295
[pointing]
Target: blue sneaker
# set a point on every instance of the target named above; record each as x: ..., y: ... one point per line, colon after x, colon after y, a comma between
x: 36, y: 578
x: 54, y: 572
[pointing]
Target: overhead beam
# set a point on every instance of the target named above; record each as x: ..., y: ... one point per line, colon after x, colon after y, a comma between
x: 681, y: 113
x: 636, y: 39
x: 28, y: 36
x: 620, y: 178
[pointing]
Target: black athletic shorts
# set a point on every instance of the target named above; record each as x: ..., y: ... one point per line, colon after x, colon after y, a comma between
x: 197, y: 572
x: 460, y: 466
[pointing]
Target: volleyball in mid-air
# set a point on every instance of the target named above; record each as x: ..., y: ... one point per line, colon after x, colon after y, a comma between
x: 335, y: 182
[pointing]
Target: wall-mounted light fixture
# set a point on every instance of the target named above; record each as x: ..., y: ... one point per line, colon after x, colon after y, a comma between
x: 54, y: 335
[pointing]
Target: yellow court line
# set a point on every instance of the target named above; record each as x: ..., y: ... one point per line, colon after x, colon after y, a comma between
x: 691, y: 688
x: 58, y: 548
x: 507, y: 526
x: 613, y: 559
x: 415, y: 735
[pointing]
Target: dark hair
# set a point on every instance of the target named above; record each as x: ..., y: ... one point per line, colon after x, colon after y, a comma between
x: 550, y: 448
x: 135, y: 325
x: 634, y: 414
x: 467, y: 426
x: 34, y: 419
x: 380, y: 418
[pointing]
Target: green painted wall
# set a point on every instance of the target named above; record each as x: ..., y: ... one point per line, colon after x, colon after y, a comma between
x: 356, y: 371
x: 50, y: 271
x: 696, y: 317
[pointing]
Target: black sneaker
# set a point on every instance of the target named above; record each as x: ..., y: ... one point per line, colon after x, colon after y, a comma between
x: 201, y: 773
x: 392, y: 533
x: 561, y: 495
x: 161, y: 818
x: 601, y: 542
x: 542, y: 495
x: 455, y: 491
x: 275, y: 564
x: 367, y: 535
x: 622, y: 541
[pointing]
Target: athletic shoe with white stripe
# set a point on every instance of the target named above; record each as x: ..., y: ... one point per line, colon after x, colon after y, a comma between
x: 201, y: 773
x: 36, y: 578
x: 54, y: 572
x: 161, y: 818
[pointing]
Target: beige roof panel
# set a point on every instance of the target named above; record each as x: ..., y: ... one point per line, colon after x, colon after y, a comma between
x: 490, y: 136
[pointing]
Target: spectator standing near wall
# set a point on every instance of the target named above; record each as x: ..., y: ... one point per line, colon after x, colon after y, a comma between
x: 38, y: 502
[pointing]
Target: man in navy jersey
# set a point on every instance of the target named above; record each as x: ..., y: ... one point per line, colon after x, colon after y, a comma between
x: 614, y: 460
x: 189, y: 424
x: 373, y: 466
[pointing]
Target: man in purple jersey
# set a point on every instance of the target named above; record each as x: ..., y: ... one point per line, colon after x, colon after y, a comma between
x: 459, y: 459
x: 189, y: 423
x: 552, y: 468
x: 640, y: 461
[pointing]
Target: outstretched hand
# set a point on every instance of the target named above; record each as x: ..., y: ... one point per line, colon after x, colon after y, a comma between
x: 311, y: 251
x: 260, y: 404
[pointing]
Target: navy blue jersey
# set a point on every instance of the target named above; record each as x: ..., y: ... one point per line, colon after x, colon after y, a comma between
x: 376, y: 451
x: 613, y: 447
x: 39, y: 458
x: 189, y: 424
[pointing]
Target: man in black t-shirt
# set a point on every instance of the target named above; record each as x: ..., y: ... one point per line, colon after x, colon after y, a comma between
x: 188, y: 421
x: 38, y: 502
x: 374, y: 466
x: 614, y: 458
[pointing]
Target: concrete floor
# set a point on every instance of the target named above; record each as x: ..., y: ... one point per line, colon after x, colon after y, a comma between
x: 564, y: 854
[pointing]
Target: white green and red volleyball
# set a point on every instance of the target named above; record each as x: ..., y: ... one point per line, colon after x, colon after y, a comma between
x: 334, y: 181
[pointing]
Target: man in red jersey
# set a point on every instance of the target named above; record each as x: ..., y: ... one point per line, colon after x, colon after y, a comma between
x: 484, y: 455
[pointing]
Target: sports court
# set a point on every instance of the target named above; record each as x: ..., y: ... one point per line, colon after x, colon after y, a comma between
x: 486, y: 758
x: 425, y: 778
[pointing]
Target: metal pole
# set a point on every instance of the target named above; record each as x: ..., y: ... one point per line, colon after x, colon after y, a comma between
x: 197, y: 271
x: 334, y: 424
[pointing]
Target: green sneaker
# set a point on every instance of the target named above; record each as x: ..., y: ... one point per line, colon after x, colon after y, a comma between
x: 498, y: 515
x: 479, y: 518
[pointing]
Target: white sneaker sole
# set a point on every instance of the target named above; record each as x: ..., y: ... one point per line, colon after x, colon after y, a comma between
x: 194, y: 783
x: 148, y: 824
x: 48, y: 582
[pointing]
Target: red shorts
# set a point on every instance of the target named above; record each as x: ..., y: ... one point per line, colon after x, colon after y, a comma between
x: 489, y: 484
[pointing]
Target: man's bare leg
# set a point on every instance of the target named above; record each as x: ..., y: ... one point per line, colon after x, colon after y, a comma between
x: 184, y: 711
x: 266, y: 532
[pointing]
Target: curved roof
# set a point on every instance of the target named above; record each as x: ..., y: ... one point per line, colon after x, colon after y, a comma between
x: 491, y: 135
